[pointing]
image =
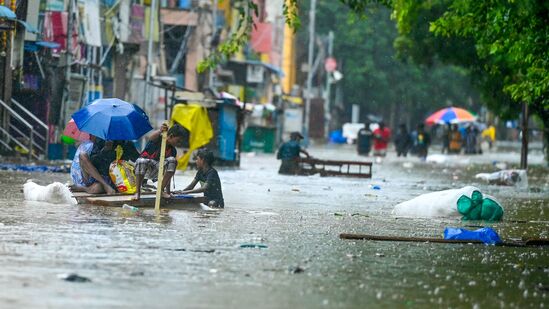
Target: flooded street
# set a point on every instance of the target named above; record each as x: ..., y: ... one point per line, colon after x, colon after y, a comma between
x: 194, y: 258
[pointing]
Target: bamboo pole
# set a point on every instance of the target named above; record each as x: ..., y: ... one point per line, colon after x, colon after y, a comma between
x: 160, y: 171
x: 529, y: 242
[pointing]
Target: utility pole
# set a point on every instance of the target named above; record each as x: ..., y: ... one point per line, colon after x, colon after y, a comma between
x: 524, y: 148
x: 211, y: 75
x: 7, y: 38
x: 152, y: 15
x: 68, y: 61
x: 328, y: 88
x: 312, y: 14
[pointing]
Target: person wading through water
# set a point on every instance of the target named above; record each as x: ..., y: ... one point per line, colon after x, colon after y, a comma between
x: 289, y: 154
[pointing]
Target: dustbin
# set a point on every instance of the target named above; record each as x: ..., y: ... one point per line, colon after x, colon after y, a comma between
x: 261, y: 139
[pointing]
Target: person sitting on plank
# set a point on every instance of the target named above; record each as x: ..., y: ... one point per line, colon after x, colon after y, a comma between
x: 146, y: 167
x: 208, y: 178
x: 95, y: 165
x: 80, y: 180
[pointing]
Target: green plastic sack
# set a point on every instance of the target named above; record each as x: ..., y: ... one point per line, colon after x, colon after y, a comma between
x: 491, y: 210
x: 478, y: 208
x: 470, y: 207
x: 67, y: 140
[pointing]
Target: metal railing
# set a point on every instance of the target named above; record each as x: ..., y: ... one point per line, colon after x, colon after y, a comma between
x: 13, y: 132
x: 41, y: 129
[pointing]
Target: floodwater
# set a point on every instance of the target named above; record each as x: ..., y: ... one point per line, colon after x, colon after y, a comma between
x: 193, y: 259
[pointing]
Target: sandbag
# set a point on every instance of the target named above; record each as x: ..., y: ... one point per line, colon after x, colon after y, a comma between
x: 122, y: 174
x: 505, y: 178
x: 467, y: 202
x: 434, y: 204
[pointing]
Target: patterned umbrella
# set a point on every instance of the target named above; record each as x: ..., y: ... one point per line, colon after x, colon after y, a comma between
x: 450, y: 115
x: 72, y: 131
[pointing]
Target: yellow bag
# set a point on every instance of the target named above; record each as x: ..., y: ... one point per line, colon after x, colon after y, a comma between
x: 122, y: 174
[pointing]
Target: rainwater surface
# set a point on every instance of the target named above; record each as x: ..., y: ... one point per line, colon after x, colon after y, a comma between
x: 194, y: 258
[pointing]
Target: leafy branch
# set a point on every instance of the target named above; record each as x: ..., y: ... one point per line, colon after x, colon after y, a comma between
x: 247, y: 9
x: 241, y: 35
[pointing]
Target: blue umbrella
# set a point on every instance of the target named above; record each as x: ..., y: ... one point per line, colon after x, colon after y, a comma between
x: 113, y: 119
x: 7, y: 13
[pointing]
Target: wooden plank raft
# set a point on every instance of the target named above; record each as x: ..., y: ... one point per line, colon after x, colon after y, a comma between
x: 310, y: 166
x: 525, y: 243
x: 146, y: 201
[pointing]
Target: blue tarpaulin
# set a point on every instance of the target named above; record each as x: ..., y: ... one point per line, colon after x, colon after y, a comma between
x: 34, y: 168
x: 337, y: 137
x: 486, y: 235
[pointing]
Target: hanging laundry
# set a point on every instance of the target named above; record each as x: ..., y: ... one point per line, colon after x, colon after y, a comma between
x: 137, y: 20
x: 91, y: 23
x: 55, y: 30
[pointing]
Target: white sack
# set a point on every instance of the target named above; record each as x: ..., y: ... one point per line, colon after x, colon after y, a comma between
x: 434, y: 204
x: 55, y: 193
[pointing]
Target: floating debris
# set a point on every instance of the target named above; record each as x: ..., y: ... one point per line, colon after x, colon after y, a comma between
x: 295, y: 270
x: 73, y: 278
x: 260, y: 246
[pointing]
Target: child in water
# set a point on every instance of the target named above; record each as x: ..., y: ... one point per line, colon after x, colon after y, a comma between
x: 208, y: 178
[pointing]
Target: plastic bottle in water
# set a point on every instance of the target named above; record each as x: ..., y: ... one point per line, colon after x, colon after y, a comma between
x: 129, y: 208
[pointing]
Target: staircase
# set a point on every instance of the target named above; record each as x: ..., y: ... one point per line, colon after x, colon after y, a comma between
x: 24, y: 131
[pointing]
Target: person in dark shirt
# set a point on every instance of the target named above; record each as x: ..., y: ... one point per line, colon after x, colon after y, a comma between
x: 289, y: 154
x: 146, y: 166
x: 422, y: 142
x: 403, y: 141
x: 364, y: 140
x: 208, y: 178
x: 96, y: 164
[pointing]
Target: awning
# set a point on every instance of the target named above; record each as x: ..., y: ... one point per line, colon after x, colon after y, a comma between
x: 52, y: 45
x: 30, y: 28
x: 10, y: 15
x: 178, y: 17
x: 35, y: 46
x: 7, y: 13
x: 278, y: 71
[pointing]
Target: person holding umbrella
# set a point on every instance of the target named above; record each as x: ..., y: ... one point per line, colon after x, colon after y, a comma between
x: 79, y: 179
x: 101, y: 157
x: 90, y: 168
x: 84, y: 175
x: 455, y: 140
x: 114, y: 123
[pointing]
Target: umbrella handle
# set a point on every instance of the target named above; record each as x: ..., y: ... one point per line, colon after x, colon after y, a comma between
x: 160, y: 171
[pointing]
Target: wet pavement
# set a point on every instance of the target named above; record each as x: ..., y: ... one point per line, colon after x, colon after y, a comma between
x: 194, y: 258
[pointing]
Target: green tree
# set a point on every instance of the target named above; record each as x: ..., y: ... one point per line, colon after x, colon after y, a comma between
x: 375, y: 78
x: 502, y: 42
